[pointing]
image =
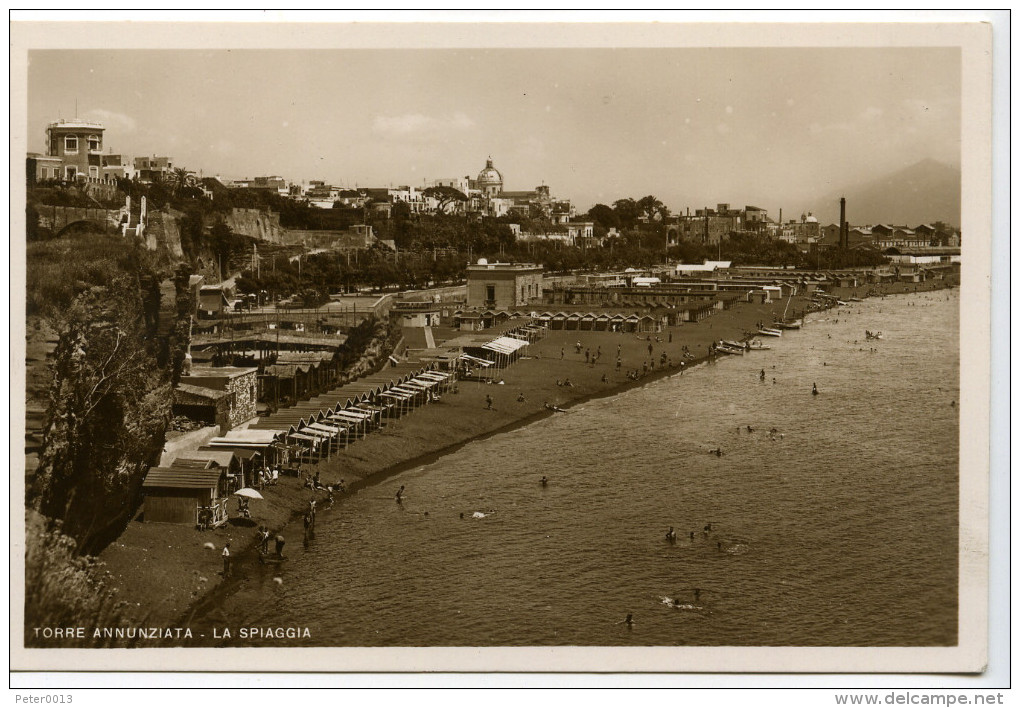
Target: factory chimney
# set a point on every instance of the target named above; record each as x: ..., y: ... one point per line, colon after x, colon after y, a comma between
x: 844, y: 232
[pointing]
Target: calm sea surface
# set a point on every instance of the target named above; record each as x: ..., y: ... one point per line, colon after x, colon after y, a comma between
x: 839, y: 530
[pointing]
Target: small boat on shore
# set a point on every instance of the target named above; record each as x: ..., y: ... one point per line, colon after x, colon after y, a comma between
x: 769, y: 332
x: 727, y: 349
x: 855, y: 299
x: 731, y: 343
x: 792, y: 324
x: 757, y: 346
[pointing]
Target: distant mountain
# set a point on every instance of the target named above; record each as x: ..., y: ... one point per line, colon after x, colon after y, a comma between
x: 925, y: 192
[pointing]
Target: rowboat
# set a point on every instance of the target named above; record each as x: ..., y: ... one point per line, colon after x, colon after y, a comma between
x: 768, y: 332
x: 735, y: 345
x: 792, y: 324
x: 756, y: 345
x: 725, y: 349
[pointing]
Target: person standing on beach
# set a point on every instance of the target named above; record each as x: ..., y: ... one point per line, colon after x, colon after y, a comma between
x: 279, y: 545
x: 488, y: 402
x: 226, y: 559
x: 563, y: 352
x: 650, y: 348
x: 400, y: 494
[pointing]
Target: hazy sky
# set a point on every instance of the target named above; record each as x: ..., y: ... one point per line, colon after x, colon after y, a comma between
x: 769, y: 127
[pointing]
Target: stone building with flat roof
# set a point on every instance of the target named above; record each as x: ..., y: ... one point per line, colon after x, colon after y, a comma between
x: 503, y: 285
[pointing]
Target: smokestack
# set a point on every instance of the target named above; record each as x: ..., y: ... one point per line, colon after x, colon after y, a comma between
x: 843, y: 232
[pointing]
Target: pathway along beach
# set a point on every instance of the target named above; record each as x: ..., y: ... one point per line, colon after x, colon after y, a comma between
x: 166, y: 574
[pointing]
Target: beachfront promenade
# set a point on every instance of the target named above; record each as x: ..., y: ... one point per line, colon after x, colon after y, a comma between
x: 167, y: 568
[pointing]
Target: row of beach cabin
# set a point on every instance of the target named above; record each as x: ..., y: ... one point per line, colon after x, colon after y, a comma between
x: 195, y: 487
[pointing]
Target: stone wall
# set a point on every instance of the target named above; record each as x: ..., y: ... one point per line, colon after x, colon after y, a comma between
x: 256, y: 223
x: 245, y: 389
x: 57, y: 218
x: 342, y: 240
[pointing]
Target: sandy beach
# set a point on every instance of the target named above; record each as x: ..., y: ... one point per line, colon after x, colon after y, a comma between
x: 163, y: 571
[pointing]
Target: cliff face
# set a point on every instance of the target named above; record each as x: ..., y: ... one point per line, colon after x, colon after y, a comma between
x: 255, y: 223
x: 109, y: 407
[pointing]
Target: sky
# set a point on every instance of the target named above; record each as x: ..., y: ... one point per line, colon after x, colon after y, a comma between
x: 772, y: 127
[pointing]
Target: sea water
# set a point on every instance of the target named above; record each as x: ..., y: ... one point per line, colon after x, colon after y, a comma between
x: 840, y: 528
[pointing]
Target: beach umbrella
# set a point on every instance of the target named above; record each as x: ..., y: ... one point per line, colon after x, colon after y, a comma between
x: 248, y: 492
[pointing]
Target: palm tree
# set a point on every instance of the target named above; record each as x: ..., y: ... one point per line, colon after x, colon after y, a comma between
x: 181, y: 179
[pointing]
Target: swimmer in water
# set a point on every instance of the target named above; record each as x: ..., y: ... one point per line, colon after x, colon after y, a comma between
x: 400, y: 494
x: 814, y: 389
x: 708, y: 526
x: 628, y: 620
x: 671, y: 535
x: 543, y: 481
x: 692, y: 535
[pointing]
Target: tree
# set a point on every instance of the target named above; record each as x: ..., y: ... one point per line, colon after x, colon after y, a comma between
x: 224, y: 242
x: 604, y: 216
x: 446, y: 196
x: 651, y: 208
x: 627, y: 212
x: 179, y: 179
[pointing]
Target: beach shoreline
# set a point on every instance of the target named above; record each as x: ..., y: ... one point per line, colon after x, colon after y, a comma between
x: 188, y: 575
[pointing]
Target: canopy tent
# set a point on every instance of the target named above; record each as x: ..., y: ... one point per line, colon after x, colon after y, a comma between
x: 476, y: 360
x: 504, y: 345
x: 249, y: 437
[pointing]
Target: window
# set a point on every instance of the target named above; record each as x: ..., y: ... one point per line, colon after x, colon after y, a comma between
x: 70, y: 171
x: 70, y: 144
x: 93, y: 171
x: 94, y: 143
x: 490, y: 293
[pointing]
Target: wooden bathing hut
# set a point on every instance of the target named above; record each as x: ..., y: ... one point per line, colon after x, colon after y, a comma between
x: 184, y: 495
x: 226, y: 459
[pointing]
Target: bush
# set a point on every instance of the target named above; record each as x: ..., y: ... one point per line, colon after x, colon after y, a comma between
x: 63, y: 589
x: 58, y: 270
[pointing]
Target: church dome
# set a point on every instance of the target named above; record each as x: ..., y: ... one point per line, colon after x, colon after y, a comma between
x: 490, y: 176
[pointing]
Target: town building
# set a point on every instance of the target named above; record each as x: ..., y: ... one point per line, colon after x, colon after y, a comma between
x: 490, y: 180
x: 73, y: 148
x: 114, y: 166
x: 42, y: 167
x: 503, y: 285
x: 154, y: 169
x: 487, y: 196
